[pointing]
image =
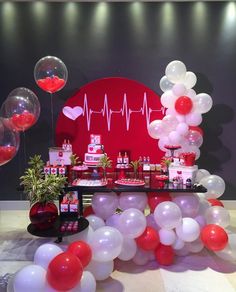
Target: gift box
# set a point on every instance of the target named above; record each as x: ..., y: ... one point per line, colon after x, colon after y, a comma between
x: 47, y: 170
x: 62, y: 170
x: 58, y: 156
x: 187, y: 172
x: 54, y: 170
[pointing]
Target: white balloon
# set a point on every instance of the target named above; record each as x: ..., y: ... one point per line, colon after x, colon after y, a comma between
x: 218, y: 215
x: 188, y: 230
x: 87, y: 283
x: 175, y: 71
x: 188, y: 204
x: 167, y: 215
x: 194, y: 138
x: 106, y: 244
x: 141, y: 257
x: 174, y: 137
x: 191, y: 93
x: 168, y: 99
x: 204, y: 205
x: 95, y: 222
x: 190, y: 79
x: 195, y: 246
x: 132, y: 223
x: 215, y: 186
x: 167, y: 237
x: 201, y: 173
x: 201, y: 220
x: 45, y: 253
x: 30, y: 278
x: 129, y: 200
x: 178, y: 244
x: 182, y: 128
x: 202, y: 103
x: 113, y: 220
x: 169, y: 123
x: 179, y: 89
x: 229, y: 252
x: 151, y: 222
x: 156, y: 129
x: 128, y: 250
x: 104, y: 204
x: 193, y: 119
x: 84, y: 235
x: 100, y: 270
x: 165, y: 84
x: 163, y: 141
x: 182, y: 252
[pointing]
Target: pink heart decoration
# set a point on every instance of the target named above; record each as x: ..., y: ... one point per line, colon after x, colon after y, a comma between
x: 72, y: 112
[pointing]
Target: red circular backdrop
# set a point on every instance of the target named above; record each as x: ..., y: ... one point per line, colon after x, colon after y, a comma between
x: 120, y: 110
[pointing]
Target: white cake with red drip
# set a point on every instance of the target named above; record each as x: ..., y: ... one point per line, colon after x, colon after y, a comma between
x: 95, y: 150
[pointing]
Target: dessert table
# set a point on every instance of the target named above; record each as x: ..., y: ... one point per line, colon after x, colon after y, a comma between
x: 147, y: 182
x: 150, y: 185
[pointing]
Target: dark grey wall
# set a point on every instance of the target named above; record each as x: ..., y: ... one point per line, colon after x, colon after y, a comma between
x: 133, y: 40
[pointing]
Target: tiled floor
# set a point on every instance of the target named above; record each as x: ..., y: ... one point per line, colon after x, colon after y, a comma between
x: 203, y: 272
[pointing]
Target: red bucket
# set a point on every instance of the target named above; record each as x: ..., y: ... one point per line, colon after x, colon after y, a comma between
x: 189, y: 158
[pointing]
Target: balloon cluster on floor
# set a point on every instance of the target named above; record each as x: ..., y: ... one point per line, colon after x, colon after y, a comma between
x: 177, y: 224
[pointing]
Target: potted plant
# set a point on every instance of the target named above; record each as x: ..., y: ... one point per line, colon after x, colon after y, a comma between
x: 165, y: 164
x: 105, y: 163
x: 74, y: 159
x: 135, y: 164
x: 41, y: 191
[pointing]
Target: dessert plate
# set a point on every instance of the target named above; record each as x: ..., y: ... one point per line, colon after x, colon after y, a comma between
x: 89, y: 183
x: 130, y: 182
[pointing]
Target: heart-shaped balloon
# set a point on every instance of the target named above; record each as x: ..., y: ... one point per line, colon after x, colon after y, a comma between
x: 72, y: 112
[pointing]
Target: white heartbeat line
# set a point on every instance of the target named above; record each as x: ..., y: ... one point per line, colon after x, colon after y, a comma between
x: 124, y: 111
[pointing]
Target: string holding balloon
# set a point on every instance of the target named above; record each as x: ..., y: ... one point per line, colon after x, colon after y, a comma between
x: 20, y: 111
x: 51, y: 74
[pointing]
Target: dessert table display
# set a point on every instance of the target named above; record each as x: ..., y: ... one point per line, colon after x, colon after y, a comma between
x: 156, y: 213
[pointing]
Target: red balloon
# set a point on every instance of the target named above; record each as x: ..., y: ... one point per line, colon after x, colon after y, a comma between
x: 156, y: 198
x: 23, y: 121
x: 7, y: 153
x: 215, y: 202
x: 88, y: 211
x: 183, y: 105
x: 196, y: 128
x: 164, y: 254
x: 149, y: 240
x: 82, y: 250
x: 51, y: 84
x: 64, y: 271
x: 214, y: 237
